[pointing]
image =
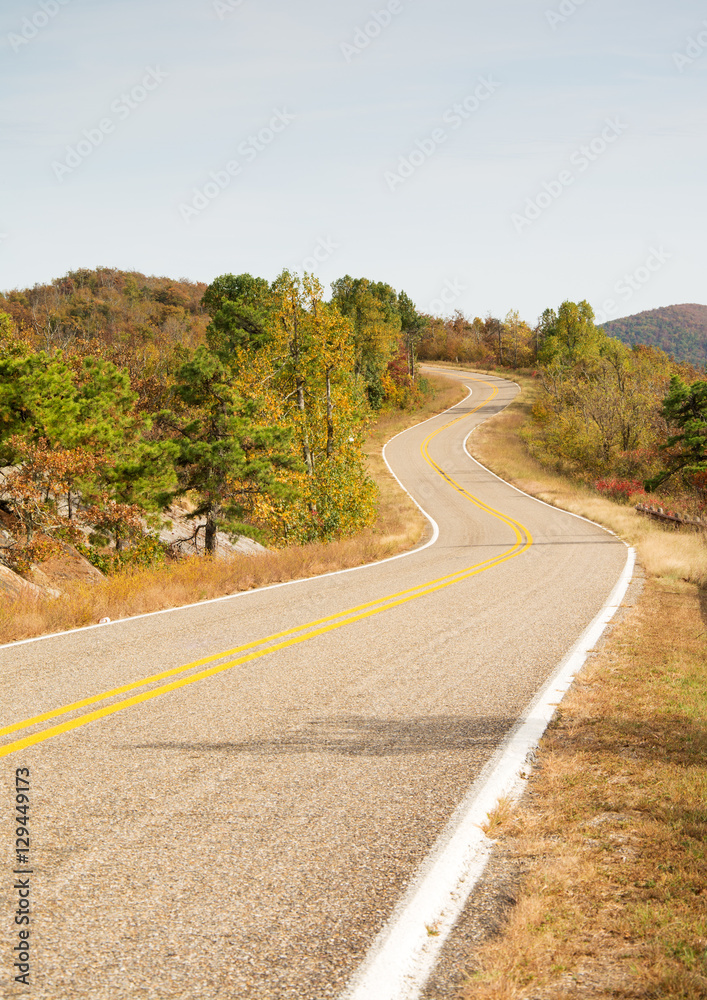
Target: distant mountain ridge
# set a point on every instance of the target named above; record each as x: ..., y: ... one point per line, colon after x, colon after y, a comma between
x: 678, y: 330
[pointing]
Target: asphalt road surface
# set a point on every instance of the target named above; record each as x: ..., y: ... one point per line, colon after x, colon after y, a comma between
x: 243, y: 827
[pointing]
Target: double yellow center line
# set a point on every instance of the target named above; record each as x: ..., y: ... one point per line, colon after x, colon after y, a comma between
x: 272, y: 643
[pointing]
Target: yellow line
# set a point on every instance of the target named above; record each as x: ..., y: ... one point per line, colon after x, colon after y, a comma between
x: 144, y: 682
x: 516, y: 526
x: 163, y: 675
x: 331, y: 623
x: 66, y: 727
x: 123, y: 689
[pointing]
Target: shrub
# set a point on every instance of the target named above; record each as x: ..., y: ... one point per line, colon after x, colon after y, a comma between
x: 620, y: 490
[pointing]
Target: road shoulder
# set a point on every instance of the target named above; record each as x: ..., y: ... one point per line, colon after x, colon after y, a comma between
x: 596, y: 885
x: 608, y: 847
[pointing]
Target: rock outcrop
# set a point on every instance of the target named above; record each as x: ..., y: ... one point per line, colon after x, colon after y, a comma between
x: 13, y: 586
x: 184, y: 538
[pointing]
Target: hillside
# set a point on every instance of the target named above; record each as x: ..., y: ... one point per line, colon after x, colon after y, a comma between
x: 120, y: 313
x: 678, y: 330
x: 141, y: 323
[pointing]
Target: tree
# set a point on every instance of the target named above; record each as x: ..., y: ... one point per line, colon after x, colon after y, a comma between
x: 300, y: 363
x: 223, y: 454
x: 33, y: 490
x: 138, y: 478
x: 520, y: 336
x: 242, y: 311
x: 544, y: 328
x: 37, y: 398
x: 88, y: 404
x: 457, y: 339
x: 493, y: 336
x: 332, y: 339
x: 73, y: 428
x: 685, y: 409
x: 572, y: 334
x: 251, y: 291
x: 413, y: 327
x: 373, y: 310
x: 601, y: 412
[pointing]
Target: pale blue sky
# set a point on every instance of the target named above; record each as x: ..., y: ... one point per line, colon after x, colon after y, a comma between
x: 330, y: 180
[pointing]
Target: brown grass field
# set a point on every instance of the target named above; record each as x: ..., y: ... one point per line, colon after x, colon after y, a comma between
x: 399, y: 527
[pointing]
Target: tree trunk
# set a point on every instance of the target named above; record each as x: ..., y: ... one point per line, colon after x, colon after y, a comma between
x: 329, y: 417
x: 210, y: 535
x: 299, y: 384
x: 306, y: 450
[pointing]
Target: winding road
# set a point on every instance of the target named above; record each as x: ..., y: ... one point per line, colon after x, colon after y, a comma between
x: 228, y: 800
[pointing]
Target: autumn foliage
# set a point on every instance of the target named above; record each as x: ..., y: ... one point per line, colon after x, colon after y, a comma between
x: 120, y: 393
x: 628, y: 420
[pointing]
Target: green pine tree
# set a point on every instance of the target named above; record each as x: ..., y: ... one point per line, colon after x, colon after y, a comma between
x: 224, y: 455
x: 685, y: 409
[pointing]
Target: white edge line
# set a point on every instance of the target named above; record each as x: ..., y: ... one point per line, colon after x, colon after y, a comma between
x: 404, y: 954
x: 552, y: 506
x: 273, y: 586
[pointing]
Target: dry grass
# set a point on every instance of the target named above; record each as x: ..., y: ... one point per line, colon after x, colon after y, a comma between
x: 499, y: 815
x: 399, y: 527
x: 614, y: 828
x: 613, y: 832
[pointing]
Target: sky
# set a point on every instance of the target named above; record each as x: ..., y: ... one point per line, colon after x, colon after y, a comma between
x: 482, y: 156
